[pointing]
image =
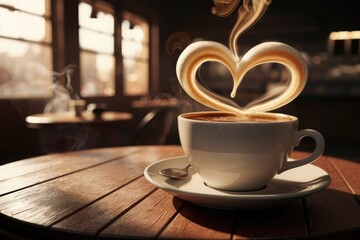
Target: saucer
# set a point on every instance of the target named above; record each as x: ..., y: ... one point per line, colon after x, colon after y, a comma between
x: 283, y: 188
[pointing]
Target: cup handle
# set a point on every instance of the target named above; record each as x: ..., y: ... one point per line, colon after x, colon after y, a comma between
x: 319, y: 148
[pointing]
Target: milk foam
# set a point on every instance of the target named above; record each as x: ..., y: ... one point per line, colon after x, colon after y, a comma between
x: 269, y: 52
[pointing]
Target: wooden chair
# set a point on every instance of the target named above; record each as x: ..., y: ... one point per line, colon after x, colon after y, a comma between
x: 156, y: 126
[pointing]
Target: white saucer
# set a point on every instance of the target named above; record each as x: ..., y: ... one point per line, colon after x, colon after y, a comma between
x: 285, y: 187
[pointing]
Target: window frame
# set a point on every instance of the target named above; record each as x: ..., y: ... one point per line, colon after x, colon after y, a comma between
x: 136, y: 18
x: 108, y: 9
x: 65, y: 45
x: 49, y: 19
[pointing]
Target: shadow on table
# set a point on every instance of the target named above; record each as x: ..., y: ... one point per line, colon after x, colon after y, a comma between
x: 240, y: 221
x: 330, y: 213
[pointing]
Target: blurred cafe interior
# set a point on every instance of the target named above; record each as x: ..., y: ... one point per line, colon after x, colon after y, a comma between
x: 119, y: 56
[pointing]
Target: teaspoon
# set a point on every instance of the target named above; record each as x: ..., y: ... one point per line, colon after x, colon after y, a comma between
x: 175, y: 173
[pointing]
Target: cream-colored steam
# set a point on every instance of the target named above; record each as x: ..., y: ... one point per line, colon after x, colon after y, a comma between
x: 248, y: 14
x: 224, y: 8
x: 270, y: 52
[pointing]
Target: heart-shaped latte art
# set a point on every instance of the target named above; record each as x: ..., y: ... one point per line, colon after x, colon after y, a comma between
x: 269, y: 52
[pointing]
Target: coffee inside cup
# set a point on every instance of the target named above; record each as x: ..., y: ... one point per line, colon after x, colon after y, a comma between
x: 229, y: 117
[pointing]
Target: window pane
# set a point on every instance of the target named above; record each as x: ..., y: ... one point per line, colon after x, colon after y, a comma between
x: 97, y: 74
x: 135, y: 50
x: 23, y: 25
x: 136, y: 77
x: 98, y: 63
x: 144, y: 26
x: 96, y: 41
x: 134, y: 24
x: 103, y: 23
x: 132, y: 45
x: 25, y: 69
x: 33, y: 6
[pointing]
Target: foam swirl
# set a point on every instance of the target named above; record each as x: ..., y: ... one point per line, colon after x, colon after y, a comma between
x: 269, y: 52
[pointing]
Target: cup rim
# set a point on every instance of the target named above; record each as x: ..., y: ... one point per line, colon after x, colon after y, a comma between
x: 282, y: 115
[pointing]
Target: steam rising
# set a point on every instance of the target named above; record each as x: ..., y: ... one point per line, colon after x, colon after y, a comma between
x: 224, y: 8
x: 248, y: 14
x: 62, y: 94
x: 270, y: 52
x: 65, y: 137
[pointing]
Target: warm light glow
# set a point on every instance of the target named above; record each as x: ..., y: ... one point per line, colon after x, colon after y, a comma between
x: 25, y: 51
x: 33, y: 6
x: 96, y: 34
x: 135, y: 52
x: 104, y: 63
x: 136, y: 33
x: 22, y: 25
x: 96, y: 41
x: 104, y: 22
x: 355, y: 34
x: 344, y: 35
x: 133, y: 40
x: 14, y: 49
x: 97, y: 62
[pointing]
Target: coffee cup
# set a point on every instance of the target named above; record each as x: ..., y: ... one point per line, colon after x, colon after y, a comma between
x: 243, y: 153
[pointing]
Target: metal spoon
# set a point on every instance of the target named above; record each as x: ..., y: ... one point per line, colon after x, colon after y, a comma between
x: 175, y: 173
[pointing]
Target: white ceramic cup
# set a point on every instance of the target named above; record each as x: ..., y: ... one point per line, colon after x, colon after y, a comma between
x: 243, y: 156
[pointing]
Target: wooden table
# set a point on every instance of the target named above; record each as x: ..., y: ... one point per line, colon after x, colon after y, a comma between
x: 60, y: 132
x: 102, y: 193
x: 45, y: 119
x: 155, y: 103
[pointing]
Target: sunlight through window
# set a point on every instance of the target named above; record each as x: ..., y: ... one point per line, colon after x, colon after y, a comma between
x: 25, y: 49
x: 97, y: 60
x: 135, y: 52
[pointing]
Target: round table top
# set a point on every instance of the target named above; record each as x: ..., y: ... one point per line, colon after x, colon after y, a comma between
x: 155, y: 103
x: 70, y: 118
x: 102, y: 193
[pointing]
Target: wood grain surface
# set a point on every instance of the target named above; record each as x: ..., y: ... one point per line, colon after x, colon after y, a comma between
x: 102, y: 194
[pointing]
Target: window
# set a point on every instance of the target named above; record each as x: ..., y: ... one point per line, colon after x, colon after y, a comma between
x: 25, y: 49
x: 344, y: 42
x: 97, y: 59
x: 135, y: 54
